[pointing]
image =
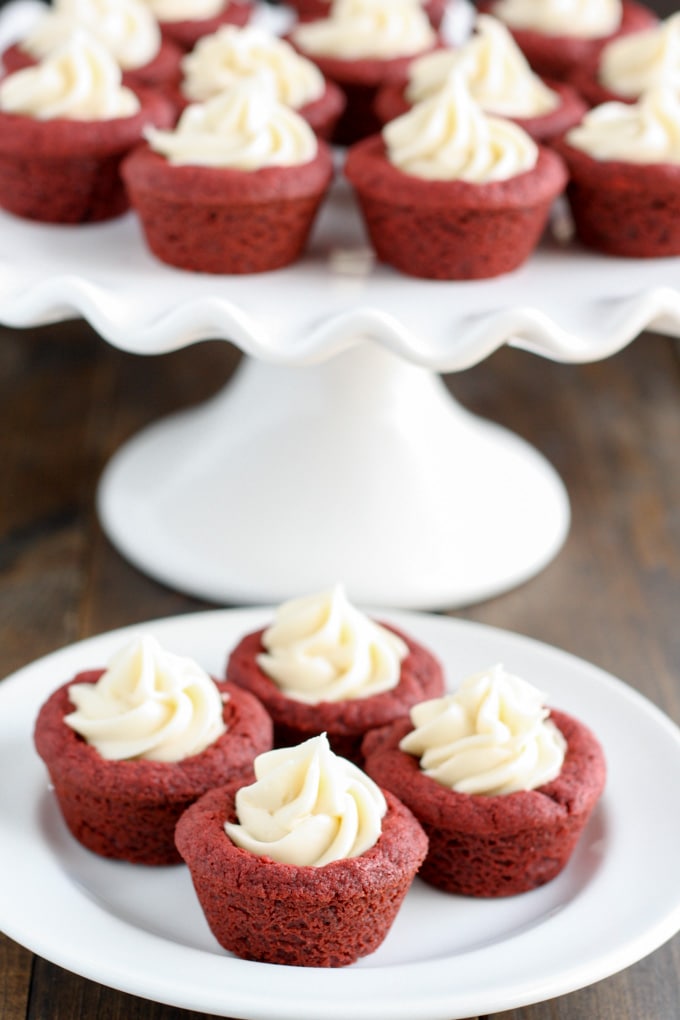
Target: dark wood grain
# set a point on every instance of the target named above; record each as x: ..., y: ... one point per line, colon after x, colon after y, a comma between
x: 612, y: 430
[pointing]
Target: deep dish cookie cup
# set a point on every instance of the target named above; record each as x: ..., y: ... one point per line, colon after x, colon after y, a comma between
x: 451, y: 230
x: 307, y: 866
x: 61, y: 147
x: 497, y: 844
x: 127, y: 810
x: 236, y: 214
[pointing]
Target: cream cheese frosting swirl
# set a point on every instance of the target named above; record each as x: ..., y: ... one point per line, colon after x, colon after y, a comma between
x: 148, y: 704
x: 126, y: 27
x: 635, y: 63
x: 227, y: 56
x: 358, y: 29
x: 308, y: 807
x: 244, y: 128
x: 495, y: 70
x: 322, y: 648
x: 644, y: 132
x: 491, y: 737
x: 584, y: 19
x: 186, y: 10
x: 448, y: 137
x: 79, y: 81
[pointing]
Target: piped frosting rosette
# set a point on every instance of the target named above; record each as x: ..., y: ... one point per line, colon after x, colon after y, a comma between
x: 221, y: 60
x: 80, y: 80
x: 127, y: 28
x: 321, y: 648
x: 492, y: 736
x: 583, y: 18
x: 307, y: 807
x: 636, y: 63
x: 357, y: 29
x: 148, y: 704
x: 495, y: 71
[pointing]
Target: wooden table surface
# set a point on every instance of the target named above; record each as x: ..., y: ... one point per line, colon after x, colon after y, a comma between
x: 612, y: 430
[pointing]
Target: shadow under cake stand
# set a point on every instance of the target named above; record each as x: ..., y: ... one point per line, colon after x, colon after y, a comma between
x: 336, y: 452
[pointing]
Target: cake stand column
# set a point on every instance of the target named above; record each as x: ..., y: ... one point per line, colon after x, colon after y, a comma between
x: 361, y: 469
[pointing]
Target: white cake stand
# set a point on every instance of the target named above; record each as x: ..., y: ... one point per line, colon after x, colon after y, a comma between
x: 336, y: 453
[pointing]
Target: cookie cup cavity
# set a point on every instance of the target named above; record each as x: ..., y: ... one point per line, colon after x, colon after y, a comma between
x: 68, y: 171
x: 345, y: 722
x: 220, y: 220
x: 626, y: 209
x: 554, y: 56
x: 492, y: 846
x: 328, y: 916
x: 452, y: 230
x: 128, y: 809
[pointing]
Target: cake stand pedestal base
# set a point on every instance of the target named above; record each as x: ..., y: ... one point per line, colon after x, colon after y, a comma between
x: 361, y: 469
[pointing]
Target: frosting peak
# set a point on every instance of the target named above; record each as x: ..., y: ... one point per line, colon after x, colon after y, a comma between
x: 79, y: 81
x: 148, y: 704
x: 644, y: 132
x: 358, y: 29
x: 492, y: 736
x: 231, y: 54
x: 321, y: 648
x: 449, y: 137
x: 583, y: 19
x: 244, y: 128
x: 127, y: 28
x: 495, y: 70
x: 635, y: 63
x: 185, y: 10
x: 308, y: 807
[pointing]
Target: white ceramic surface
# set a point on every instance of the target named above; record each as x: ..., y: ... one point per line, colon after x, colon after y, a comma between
x: 141, y: 929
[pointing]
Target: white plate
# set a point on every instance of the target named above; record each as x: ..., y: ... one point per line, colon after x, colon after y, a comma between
x: 141, y: 930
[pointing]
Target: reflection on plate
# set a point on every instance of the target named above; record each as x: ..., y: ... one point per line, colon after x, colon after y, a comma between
x: 141, y: 930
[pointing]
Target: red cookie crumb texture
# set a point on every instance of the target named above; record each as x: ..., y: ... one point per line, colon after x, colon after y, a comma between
x: 68, y: 171
x: 491, y: 846
x: 262, y: 910
x: 344, y: 722
x: 626, y: 209
x: 360, y: 80
x: 554, y: 56
x: 452, y: 230
x: 162, y: 70
x: 186, y: 33
x: 391, y: 102
x: 219, y: 220
x: 128, y: 809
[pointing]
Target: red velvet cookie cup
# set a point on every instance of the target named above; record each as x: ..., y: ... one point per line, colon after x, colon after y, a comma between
x: 452, y: 230
x: 554, y: 56
x: 360, y: 80
x: 492, y: 846
x: 128, y: 810
x: 163, y: 69
x: 187, y: 32
x: 625, y: 209
x: 391, y: 102
x: 219, y: 220
x: 263, y: 910
x: 68, y: 171
x: 345, y: 722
